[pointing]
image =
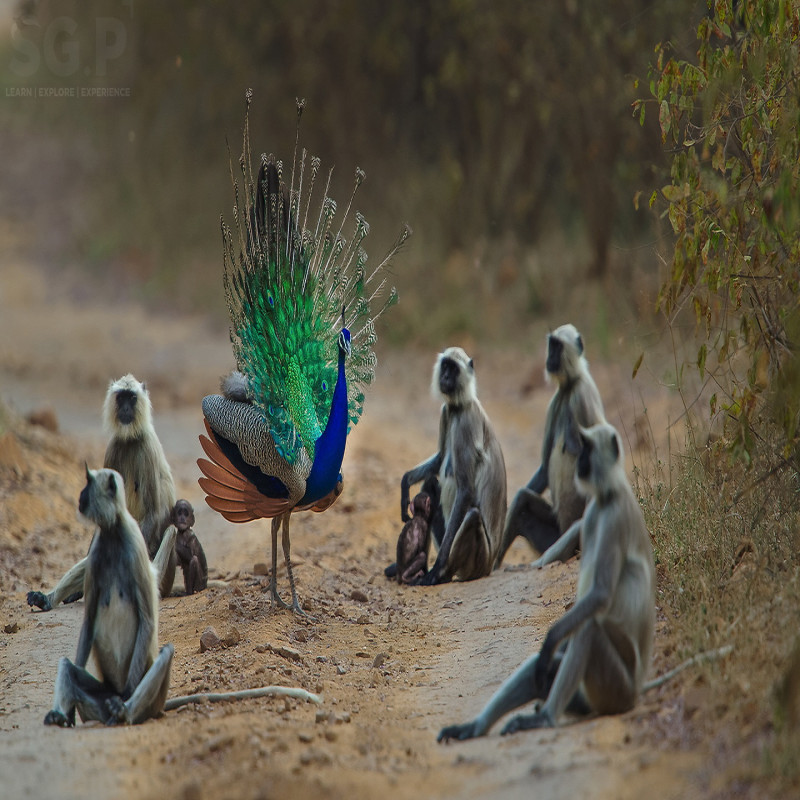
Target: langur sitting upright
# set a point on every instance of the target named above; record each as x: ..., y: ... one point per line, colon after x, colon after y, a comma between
x: 136, y: 453
x: 576, y: 404
x: 471, y: 473
x: 189, y: 551
x: 596, y: 656
x: 120, y: 622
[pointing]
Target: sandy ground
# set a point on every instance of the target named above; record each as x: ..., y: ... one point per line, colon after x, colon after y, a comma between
x: 392, y: 664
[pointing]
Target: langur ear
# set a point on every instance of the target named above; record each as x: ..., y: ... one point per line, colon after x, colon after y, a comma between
x: 615, y: 447
x: 112, y: 485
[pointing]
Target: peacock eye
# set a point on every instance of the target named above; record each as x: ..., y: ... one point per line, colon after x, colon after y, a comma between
x: 324, y: 386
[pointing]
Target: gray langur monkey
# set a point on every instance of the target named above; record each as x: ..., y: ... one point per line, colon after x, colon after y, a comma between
x: 134, y: 451
x: 596, y: 656
x: 576, y: 404
x: 471, y: 474
x: 120, y: 621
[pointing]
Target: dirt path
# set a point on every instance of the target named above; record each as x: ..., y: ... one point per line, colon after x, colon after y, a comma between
x: 392, y: 664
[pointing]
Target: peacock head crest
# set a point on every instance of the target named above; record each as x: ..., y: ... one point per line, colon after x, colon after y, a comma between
x: 344, y: 342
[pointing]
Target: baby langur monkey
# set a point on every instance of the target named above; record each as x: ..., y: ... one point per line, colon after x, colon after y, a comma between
x: 469, y: 467
x: 576, y: 404
x: 415, y: 541
x: 430, y: 487
x: 596, y: 656
x: 191, y: 558
x: 120, y: 623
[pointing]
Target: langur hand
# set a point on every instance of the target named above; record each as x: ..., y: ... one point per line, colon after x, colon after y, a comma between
x: 57, y: 718
x: 459, y: 733
x: 117, y: 711
x: 527, y: 722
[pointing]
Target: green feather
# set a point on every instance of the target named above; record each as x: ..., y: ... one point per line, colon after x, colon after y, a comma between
x: 286, y: 291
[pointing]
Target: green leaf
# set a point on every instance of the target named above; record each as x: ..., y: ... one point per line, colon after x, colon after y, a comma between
x: 664, y: 119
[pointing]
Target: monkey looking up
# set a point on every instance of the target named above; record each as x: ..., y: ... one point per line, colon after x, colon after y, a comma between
x: 120, y: 622
x: 189, y: 552
x: 415, y: 541
x: 575, y: 404
x: 471, y: 474
x: 430, y: 487
x: 596, y: 656
x: 134, y: 451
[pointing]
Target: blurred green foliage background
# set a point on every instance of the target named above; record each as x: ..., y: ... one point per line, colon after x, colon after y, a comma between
x: 502, y: 132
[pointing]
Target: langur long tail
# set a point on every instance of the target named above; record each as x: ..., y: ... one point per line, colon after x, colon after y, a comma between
x: 243, y: 694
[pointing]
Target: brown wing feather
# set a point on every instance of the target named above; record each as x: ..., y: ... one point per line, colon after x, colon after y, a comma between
x: 214, y: 451
x: 234, y: 481
x: 218, y: 489
x: 231, y: 493
x: 245, y: 515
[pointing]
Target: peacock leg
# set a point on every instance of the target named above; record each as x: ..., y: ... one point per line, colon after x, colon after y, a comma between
x: 273, y: 583
x: 285, y: 540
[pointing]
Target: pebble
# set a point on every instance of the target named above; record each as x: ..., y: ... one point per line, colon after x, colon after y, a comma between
x: 209, y: 640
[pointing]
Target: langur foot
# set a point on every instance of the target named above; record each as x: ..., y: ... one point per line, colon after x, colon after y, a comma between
x: 460, y: 733
x: 391, y: 570
x: 527, y: 722
x: 39, y: 600
x: 430, y: 579
x: 117, y: 711
x: 55, y: 717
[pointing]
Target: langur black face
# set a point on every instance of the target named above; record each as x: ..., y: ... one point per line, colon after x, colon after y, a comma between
x: 608, y: 453
x: 126, y: 406
x: 555, y: 347
x: 183, y: 515
x: 449, y: 373
x: 85, y: 498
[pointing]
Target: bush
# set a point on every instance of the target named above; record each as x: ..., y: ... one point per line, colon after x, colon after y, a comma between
x: 733, y: 202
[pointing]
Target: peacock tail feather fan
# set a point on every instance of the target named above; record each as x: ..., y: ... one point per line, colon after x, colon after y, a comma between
x: 292, y: 282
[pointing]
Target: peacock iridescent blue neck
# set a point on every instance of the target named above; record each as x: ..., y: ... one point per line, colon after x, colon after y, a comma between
x: 329, y: 448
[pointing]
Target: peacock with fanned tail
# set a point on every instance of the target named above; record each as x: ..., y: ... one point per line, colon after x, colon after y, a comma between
x: 300, y: 298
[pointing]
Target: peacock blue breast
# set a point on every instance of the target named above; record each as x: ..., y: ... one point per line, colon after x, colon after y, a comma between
x: 329, y: 448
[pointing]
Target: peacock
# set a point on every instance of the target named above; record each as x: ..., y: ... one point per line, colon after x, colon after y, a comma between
x: 302, y: 306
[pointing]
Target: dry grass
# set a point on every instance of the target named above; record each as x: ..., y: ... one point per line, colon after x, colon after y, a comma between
x: 726, y: 543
